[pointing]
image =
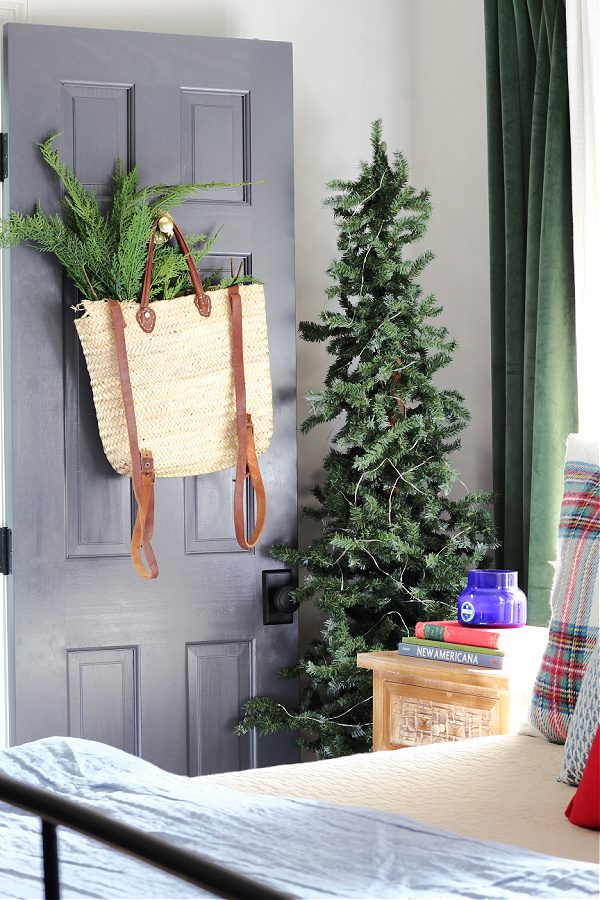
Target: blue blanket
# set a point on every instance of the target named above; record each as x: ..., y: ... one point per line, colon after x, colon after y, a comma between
x: 304, y: 847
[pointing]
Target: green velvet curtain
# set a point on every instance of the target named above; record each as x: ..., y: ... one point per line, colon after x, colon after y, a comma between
x: 534, y: 398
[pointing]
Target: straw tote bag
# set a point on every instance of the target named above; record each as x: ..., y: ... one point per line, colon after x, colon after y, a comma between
x: 181, y: 387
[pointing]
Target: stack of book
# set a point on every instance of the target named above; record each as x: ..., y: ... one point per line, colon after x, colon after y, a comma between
x: 456, y: 643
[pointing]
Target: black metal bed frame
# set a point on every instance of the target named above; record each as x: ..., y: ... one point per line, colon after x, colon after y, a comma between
x: 196, y: 869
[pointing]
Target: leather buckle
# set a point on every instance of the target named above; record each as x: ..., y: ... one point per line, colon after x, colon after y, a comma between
x: 146, y: 319
x: 203, y: 304
x: 147, y: 464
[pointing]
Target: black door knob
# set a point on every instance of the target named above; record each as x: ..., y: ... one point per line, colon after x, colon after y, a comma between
x: 278, y: 606
x: 282, y: 600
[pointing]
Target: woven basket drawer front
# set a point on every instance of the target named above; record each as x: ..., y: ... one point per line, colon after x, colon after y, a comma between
x: 429, y: 715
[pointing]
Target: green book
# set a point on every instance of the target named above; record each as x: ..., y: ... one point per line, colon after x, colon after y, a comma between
x: 421, y: 642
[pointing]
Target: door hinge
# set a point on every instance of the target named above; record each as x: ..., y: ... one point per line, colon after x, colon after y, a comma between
x: 3, y: 156
x: 5, y: 551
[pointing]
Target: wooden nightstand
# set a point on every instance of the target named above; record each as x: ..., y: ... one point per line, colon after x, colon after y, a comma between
x: 417, y: 701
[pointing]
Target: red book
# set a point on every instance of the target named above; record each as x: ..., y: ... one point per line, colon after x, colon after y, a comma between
x: 492, y: 638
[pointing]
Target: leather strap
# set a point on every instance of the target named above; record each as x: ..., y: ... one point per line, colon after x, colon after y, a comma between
x: 142, y: 465
x: 145, y: 315
x: 247, y: 463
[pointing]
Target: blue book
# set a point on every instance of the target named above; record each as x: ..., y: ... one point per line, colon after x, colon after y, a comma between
x: 461, y: 657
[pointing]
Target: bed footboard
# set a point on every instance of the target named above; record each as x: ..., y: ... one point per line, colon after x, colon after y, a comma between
x: 54, y: 810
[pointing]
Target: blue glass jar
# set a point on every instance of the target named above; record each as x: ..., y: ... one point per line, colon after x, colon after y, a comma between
x: 492, y: 598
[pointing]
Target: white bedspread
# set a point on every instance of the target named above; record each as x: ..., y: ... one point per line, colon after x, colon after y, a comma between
x: 306, y: 848
x: 497, y: 788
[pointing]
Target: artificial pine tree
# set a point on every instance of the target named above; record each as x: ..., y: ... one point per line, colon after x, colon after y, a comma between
x: 394, y: 547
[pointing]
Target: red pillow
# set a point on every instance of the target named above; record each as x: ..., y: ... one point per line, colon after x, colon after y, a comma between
x: 584, y: 808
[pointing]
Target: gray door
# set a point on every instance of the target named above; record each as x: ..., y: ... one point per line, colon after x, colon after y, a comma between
x: 157, y: 668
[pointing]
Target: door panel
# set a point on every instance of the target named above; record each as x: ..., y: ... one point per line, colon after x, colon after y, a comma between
x: 97, y: 121
x: 102, y: 696
x: 209, y: 514
x: 219, y: 678
x: 157, y: 668
x: 225, y: 116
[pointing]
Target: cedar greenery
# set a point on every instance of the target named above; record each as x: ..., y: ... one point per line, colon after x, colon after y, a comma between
x: 105, y: 254
x: 394, y: 547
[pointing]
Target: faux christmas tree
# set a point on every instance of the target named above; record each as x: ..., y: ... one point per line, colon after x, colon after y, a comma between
x: 394, y: 547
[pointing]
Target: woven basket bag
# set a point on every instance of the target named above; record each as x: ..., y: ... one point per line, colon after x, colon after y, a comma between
x: 181, y: 387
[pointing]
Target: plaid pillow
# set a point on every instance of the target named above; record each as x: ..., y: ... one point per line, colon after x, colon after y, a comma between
x: 574, y: 602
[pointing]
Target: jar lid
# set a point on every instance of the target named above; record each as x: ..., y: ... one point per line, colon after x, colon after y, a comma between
x: 492, y: 578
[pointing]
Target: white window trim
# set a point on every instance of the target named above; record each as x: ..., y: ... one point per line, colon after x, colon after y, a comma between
x: 583, y: 57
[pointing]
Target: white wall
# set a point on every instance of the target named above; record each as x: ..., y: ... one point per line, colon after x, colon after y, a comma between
x: 449, y: 157
x: 418, y: 64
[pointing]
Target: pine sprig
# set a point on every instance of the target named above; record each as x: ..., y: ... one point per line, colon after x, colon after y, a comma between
x: 124, y: 190
x: 105, y: 254
x: 160, y: 197
x: 82, y: 203
x: 48, y: 234
x: 129, y: 261
x: 395, y: 544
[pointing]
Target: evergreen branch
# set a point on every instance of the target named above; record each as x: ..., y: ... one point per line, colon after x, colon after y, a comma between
x: 124, y: 189
x: 162, y: 197
x: 129, y: 262
x: 105, y: 255
x: 47, y: 234
x: 82, y: 202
